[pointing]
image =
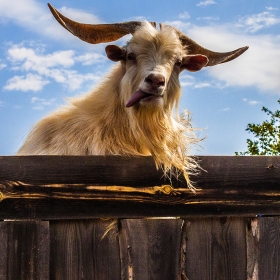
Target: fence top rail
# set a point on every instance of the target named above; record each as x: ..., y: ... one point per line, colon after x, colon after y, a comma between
x: 73, y: 187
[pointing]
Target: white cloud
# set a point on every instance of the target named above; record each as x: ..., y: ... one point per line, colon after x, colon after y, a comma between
x: 29, y: 83
x: 189, y: 81
x: 29, y: 59
x: 208, y: 18
x: 35, y: 16
x: 271, y: 9
x: 225, y: 109
x: 184, y: 15
x: 41, y: 103
x: 90, y: 58
x: 2, y: 66
x: 79, y: 15
x: 202, y: 85
x: 56, y: 66
x: 178, y: 24
x: 186, y: 84
x: 206, y: 3
x: 186, y: 80
x: 74, y: 79
x: 23, y: 13
x: 258, y: 67
x: 137, y: 18
x: 253, y: 23
x: 251, y: 102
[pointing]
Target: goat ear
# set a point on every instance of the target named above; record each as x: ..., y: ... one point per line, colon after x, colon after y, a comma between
x: 194, y: 62
x: 115, y: 53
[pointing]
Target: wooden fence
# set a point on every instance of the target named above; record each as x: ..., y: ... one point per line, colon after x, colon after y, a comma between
x: 54, y: 212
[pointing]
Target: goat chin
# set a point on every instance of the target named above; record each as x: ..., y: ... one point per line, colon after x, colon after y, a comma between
x: 168, y: 140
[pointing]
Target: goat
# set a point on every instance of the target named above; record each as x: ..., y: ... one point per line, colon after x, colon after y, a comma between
x: 131, y: 111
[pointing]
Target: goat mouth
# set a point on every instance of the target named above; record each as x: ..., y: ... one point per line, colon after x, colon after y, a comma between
x: 137, y: 96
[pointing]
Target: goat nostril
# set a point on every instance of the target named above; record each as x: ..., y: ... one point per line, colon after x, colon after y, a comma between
x: 149, y: 80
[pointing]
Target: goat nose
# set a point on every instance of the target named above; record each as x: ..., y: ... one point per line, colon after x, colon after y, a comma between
x: 155, y: 80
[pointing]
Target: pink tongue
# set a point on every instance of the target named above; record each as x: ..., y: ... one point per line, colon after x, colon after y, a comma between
x: 136, y: 97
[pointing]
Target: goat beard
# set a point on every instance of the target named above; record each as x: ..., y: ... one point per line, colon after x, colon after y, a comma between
x: 168, y: 141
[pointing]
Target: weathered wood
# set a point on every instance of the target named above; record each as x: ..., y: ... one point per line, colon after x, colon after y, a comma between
x: 253, y: 236
x: 3, y: 251
x: 151, y: 248
x: 88, y: 170
x: 79, y: 252
x: 211, y: 248
x: 216, y: 249
x: 269, y: 246
x: 53, y: 187
x: 24, y: 250
x: 58, y: 187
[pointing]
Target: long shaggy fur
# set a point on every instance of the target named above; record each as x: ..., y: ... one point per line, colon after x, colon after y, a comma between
x: 100, y: 124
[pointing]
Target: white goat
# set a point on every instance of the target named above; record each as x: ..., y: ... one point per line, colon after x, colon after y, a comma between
x: 130, y: 112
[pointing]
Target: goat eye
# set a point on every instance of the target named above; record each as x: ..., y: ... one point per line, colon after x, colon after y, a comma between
x: 131, y: 56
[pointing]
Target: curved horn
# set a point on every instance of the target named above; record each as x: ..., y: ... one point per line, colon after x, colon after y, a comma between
x: 96, y: 33
x: 214, y: 57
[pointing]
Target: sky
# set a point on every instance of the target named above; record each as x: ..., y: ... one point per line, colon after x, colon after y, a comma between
x: 41, y: 64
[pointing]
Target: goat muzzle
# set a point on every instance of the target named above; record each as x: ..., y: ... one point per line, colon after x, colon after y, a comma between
x: 155, y: 80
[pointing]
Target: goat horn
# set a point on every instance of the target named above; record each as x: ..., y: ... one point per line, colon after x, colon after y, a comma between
x: 214, y: 57
x: 96, y: 33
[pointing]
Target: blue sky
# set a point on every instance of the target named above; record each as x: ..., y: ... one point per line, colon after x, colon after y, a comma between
x: 41, y: 64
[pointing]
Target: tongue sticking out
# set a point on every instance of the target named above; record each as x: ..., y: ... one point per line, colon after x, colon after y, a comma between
x: 136, y: 97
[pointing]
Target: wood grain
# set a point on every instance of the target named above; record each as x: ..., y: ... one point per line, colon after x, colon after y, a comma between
x: 24, y: 250
x: 216, y: 249
x: 269, y: 246
x: 79, y: 252
x: 54, y: 187
x: 196, y: 248
x: 253, y: 252
x: 3, y: 251
x: 152, y: 248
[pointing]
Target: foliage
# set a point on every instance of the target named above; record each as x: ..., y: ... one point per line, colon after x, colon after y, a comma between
x: 267, y: 135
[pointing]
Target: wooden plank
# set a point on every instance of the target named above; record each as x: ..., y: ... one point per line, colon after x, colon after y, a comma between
x: 241, y: 171
x: 216, y: 249
x: 79, y: 252
x: 93, y: 170
x: 3, y: 250
x: 150, y: 248
x: 269, y: 246
x: 55, y: 187
x: 24, y: 250
x: 253, y: 236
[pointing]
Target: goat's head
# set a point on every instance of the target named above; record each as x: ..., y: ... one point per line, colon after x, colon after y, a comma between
x: 152, y: 59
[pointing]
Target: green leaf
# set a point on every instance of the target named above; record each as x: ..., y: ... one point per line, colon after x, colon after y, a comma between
x: 266, y: 135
